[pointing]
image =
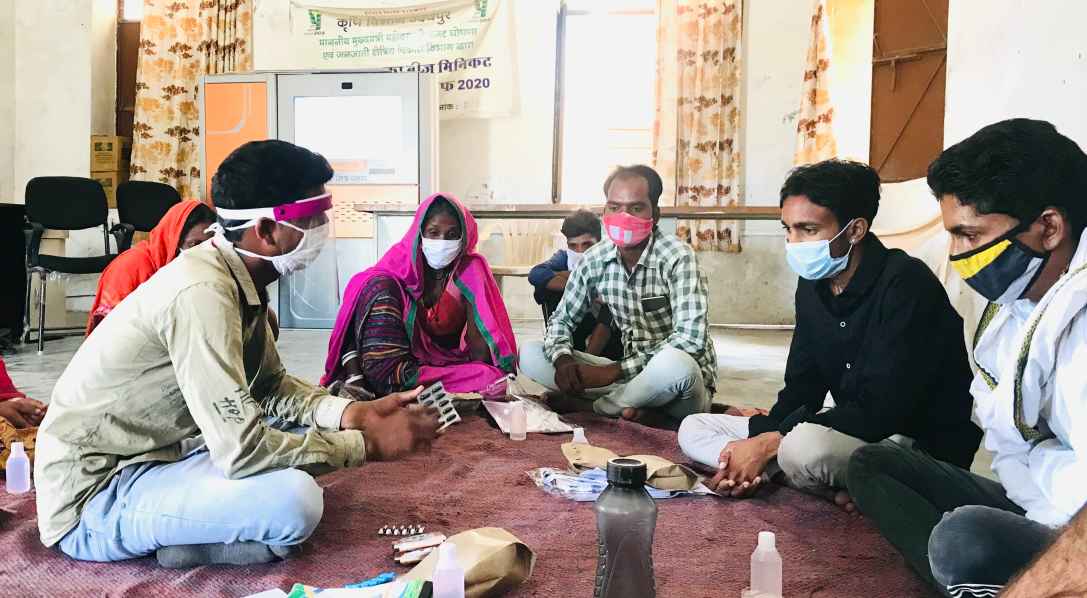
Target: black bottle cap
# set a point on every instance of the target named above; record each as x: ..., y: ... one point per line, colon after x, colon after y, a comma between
x: 629, y: 473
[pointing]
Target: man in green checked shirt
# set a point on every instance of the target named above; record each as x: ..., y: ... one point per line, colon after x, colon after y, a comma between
x: 651, y: 283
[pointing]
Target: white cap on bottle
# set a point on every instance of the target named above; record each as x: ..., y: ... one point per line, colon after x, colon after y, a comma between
x: 767, y: 540
x: 17, y: 448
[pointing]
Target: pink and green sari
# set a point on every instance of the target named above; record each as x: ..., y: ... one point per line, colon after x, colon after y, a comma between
x: 473, y: 281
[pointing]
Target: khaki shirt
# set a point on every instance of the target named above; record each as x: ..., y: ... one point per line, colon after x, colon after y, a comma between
x: 188, y: 357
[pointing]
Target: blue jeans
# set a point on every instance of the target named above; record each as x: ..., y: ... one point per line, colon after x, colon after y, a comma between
x: 151, y: 505
x: 956, y: 529
x: 976, y: 550
x: 671, y: 381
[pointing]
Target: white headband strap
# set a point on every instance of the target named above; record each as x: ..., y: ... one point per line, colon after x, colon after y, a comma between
x: 270, y: 213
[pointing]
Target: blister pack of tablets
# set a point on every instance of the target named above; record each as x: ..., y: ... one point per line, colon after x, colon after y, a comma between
x: 414, y: 549
x: 436, y: 397
x: 401, y: 530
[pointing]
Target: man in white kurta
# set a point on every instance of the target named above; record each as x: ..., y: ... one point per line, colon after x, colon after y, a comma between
x: 1012, y: 198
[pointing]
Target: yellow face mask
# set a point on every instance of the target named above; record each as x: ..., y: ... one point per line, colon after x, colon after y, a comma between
x: 1001, y: 270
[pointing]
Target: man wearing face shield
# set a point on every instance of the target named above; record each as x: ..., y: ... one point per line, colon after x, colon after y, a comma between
x: 156, y: 439
x: 1011, y: 196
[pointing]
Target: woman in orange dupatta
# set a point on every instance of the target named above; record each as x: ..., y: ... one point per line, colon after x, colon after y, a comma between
x: 181, y: 227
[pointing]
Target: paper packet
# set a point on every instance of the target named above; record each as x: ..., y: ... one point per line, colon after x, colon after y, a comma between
x: 494, y: 561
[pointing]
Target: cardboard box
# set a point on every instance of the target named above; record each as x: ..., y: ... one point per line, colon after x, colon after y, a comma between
x: 109, y: 181
x: 56, y: 314
x: 110, y: 152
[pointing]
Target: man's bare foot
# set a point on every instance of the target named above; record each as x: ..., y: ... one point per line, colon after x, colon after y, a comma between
x: 720, y: 408
x: 745, y: 411
x: 651, y: 418
x: 838, y: 497
x: 844, y: 501
x: 561, y: 402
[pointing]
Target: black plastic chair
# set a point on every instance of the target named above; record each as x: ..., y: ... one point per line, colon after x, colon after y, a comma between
x: 140, y: 207
x: 12, y: 271
x: 62, y: 203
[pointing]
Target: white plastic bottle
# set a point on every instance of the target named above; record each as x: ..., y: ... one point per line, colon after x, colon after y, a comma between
x: 18, y: 470
x: 518, y: 421
x: 448, y: 573
x: 766, y: 567
x: 579, y: 437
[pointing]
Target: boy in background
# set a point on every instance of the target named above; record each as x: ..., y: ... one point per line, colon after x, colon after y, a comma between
x: 596, y: 334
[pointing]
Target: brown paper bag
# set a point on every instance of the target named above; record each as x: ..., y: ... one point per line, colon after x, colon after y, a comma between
x: 10, y: 434
x: 494, y: 561
x: 661, y: 473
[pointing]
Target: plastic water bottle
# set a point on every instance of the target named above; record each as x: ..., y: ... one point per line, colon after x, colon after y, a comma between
x: 579, y: 436
x: 625, y: 519
x: 18, y: 470
x: 766, y: 567
x: 518, y: 421
x: 448, y: 573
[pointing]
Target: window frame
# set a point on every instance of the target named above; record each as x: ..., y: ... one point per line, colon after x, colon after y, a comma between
x: 558, y: 136
x: 121, y: 12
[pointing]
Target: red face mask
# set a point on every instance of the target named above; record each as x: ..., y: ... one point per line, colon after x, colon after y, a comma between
x: 625, y: 230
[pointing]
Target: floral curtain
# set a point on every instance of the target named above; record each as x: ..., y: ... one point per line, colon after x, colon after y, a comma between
x: 697, y: 114
x: 814, y: 128
x: 179, y: 42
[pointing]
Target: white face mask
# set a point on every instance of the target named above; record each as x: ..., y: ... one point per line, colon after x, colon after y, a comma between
x: 440, y: 253
x: 573, y: 258
x: 303, y: 254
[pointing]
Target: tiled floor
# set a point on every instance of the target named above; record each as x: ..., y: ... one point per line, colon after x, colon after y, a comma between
x: 750, y: 370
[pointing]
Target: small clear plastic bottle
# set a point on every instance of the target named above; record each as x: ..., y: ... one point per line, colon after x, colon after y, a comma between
x: 579, y: 436
x: 766, y: 567
x: 518, y: 421
x: 18, y: 470
x: 448, y: 576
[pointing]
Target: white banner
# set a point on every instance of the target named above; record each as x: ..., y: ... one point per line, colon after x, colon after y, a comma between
x: 466, y: 43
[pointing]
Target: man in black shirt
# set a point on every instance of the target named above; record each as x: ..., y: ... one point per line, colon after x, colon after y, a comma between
x: 874, y: 329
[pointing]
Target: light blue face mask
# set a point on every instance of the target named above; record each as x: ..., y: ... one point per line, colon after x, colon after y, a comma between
x: 812, y: 260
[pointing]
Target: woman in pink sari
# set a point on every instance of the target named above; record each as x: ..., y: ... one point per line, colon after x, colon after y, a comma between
x: 429, y: 311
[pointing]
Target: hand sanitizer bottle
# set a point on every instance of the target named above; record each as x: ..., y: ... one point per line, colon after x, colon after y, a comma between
x: 579, y: 436
x: 448, y: 573
x: 766, y: 567
x: 518, y: 421
x: 18, y: 470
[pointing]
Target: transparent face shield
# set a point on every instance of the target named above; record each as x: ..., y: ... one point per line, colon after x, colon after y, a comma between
x: 312, y: 293
x: 309, y: 277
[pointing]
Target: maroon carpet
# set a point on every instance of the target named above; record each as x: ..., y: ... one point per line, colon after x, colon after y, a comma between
x: 474, y: 478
